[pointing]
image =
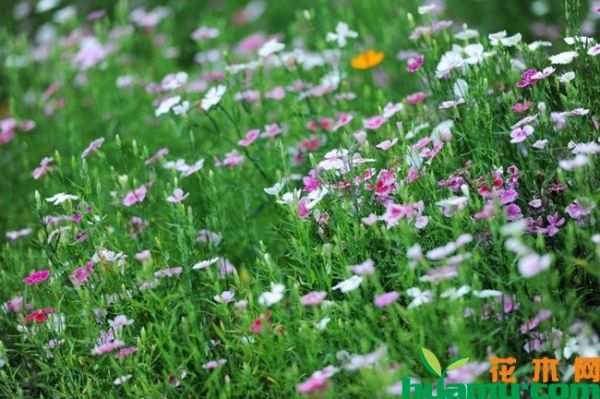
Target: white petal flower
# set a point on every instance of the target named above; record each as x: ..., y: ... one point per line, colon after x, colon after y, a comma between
x: 563, y: 58
x: 342, y: 31
x: 212, y: 97
x: 166, y: 105
x: 271, y: 47
x: 349, y: 285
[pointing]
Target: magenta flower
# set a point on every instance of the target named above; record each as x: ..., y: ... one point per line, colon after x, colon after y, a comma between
x: 37, y: 277
x: 177, y: 196
x: 81, y: 274
x: 414, y: 64
x: 251, y: 136
x: 313, y: 298
x: 133, y: 197
x: 386, y: 299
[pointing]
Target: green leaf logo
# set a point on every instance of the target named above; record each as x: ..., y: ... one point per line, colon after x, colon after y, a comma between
x: 457, y: 363
x: 431, y: 362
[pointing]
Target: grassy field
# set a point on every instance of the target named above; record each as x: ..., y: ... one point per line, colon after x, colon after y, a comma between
x: 237, y: 200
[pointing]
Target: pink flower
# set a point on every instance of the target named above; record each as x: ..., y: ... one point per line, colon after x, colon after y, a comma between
x: 251, y: 136
x: 37, y: 277
x: 317, y: 381
x: 386, y: 299
x: 204, y: 33
x: 414, y: 64
x: 374, y: 122
x: 365, y: 268
x: 125, y: 352
x: 143, y: 256
x: 44, y: 168
x: 81, y: 274
x: 416, y: 98
x: 527, y: 78
x: 107, y: 347
x: 386, y: 144
x: 303, y: 211
x: 15, y: 304
x: 313, y: 298
x: 521, y: 107
x: 92, y: 147
x: 519, y: 134
x: 133, y: 197
x: 177, y: 196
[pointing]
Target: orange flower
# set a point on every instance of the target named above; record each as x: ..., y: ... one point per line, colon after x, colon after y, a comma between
x: 367, y: 60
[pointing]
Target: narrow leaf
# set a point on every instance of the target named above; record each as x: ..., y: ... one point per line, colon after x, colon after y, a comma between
x: 431, y: 362
x: 458, y: 363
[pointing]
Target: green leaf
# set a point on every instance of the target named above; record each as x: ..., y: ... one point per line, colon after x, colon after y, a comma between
x: 458, y: 363
x: 431, y: 362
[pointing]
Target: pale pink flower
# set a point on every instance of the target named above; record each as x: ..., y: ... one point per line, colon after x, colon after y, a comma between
x: 168, y: 272
x: 532, y: 264
x: 125, y: 352
x: 37, y: 277
x: 313, y: 298
x: 519, y: 134
x: 44, y: 168
x: 213, y: 364
x: 362, y: 269
x: 14, y: 305
x: 177, y: 196
x: 107, y: 347
x: 386, y: 144
x: 386, y: 299
x: 92, y: 147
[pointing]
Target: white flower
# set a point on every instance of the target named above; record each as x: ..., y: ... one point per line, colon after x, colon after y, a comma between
x: 342, y: 31
x: 512, y: 40
x: 460, y: 88
x: 270, y: 298
x: 212, y: 97
x: 349, y: 285
x: 166, y: 105
x: 455, y: 293
x: 271, y: 47
x: 322, y: 324
x: 181, y: 108
x: 426, y: 9
x: 60, y: 198
x: 467, y: 34
x: 224, y: 297
x: 566, y: 77
x: 205, y: 263
x: 487, y: 293
x: 420, y: 297
x: 537, y: 44
x: 563, y: 58
x: 275, y: 189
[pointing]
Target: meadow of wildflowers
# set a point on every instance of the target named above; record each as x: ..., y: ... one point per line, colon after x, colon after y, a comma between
x: 278, y: 200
